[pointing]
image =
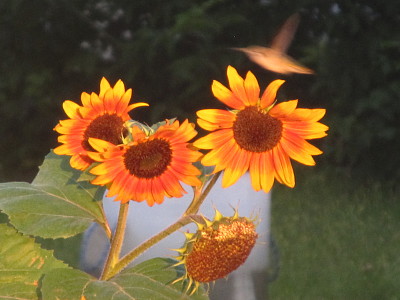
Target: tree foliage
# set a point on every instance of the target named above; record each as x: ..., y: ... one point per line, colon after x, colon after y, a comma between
x: 170, y: 51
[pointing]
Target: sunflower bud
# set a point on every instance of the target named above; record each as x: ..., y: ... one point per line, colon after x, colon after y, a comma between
x: 217, y: 248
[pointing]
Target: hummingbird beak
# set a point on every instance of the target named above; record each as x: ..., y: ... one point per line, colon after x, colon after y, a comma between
x: 244, y: 50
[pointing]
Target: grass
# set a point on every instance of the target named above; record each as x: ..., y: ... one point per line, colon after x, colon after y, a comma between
x: 337, y: 239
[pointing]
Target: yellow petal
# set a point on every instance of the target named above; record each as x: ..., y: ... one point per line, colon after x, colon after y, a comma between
x: 216, y: 115
x: 100, y: 145
x: 104, y: 86
x: 214, y: 139
x: 71, y: 109
x: 119, y: 89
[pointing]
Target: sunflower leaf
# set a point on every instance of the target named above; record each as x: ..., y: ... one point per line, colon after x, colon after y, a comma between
x: 22, y: 264
x: 56, y: 205
x: 151, y: 279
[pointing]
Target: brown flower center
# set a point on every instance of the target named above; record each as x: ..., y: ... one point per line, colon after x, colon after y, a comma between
x: 106, y: 127
x: 149, y: 159
x: 220, y: 251
x: 256, y: 131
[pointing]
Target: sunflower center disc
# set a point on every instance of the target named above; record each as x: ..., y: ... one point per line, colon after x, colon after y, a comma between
x: 106, y: 127
x: 256, y: 131
x: 149, y: 159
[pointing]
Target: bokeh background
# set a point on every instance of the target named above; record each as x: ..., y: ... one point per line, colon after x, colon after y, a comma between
x: 170, y: 51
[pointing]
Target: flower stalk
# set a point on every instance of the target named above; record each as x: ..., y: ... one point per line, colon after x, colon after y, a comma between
x: 117, y: 241
x: 199, y: 196
x: 128, y: 258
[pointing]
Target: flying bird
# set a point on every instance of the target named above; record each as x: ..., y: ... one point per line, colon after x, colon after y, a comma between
x: 275, y: 58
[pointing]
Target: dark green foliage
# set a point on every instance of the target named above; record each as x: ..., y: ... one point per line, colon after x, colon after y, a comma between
x: 170, y: 51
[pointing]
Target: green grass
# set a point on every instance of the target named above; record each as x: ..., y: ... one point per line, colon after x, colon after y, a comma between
x: 337, y: 239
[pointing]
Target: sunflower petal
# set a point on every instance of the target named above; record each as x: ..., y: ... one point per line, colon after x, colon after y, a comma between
x: 283, y: 167
x: 215, y: 139
x: 237, y: 168
x: 269, y: 95
x: 104, y: 86
x: 71, y: 109
x: 236, y: 83
x: 283, y: 109
x: 223, y: 117
x: 267, y: 172
x: 252, y: 88
x: 226, y: 96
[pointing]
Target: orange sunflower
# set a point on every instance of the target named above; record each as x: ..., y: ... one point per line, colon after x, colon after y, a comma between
x: 257, y: 135
x: 101, y: 116
x: 150, y: 166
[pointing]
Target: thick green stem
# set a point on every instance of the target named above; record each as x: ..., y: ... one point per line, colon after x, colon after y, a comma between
x: 128, y: 258
x: 116, y: 241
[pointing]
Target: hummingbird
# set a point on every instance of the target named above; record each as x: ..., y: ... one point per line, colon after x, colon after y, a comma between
x: 275, y: 58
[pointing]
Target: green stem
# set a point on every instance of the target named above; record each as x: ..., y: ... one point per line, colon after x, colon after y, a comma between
x: 188, y: 217
x: 116, y: 242
x: 199, y: 197
x: 128, y: 258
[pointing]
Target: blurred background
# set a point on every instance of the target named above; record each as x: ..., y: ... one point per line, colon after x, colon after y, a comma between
x: 169, y: 52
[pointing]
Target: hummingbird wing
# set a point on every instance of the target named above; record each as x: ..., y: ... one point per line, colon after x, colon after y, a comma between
x: 284, y: 37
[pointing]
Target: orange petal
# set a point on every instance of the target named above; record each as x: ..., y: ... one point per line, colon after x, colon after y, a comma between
x: 109, y: 102
x: 254, y: 170
x: 269, y: 95
x: 207, y: 125
x: 236, y: 84
x: 217, y: 116
x: 308, y: 115
x: 135, y: 105
x: 238, y: 166
x: 252, y: 88
x: 214, y: 139
x: 283, y: 167
x: 283, y: 109
x: 80, y: 162
x: 306, y: 130
x: 297, y: 152
x: 217, y: 155
x: 267, y: 172
x: 226, y: 96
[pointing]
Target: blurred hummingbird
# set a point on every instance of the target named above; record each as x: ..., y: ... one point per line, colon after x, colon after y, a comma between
x: 275, y: 58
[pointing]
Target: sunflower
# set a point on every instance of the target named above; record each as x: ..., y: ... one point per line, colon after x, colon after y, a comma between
x: 217, y: 248
x: 101, y: 116
x: 150, y: 166
x: 258, y: 135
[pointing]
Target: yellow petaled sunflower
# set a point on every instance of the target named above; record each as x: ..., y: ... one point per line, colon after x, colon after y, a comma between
x: 257, y: 135
x: 217, y: 248
x: 150, y: 166
x: 101, y: 116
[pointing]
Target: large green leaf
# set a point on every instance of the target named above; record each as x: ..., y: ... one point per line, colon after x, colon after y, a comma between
x: 151, y: 279
x: 22, y: 264
x: 56, y: 204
